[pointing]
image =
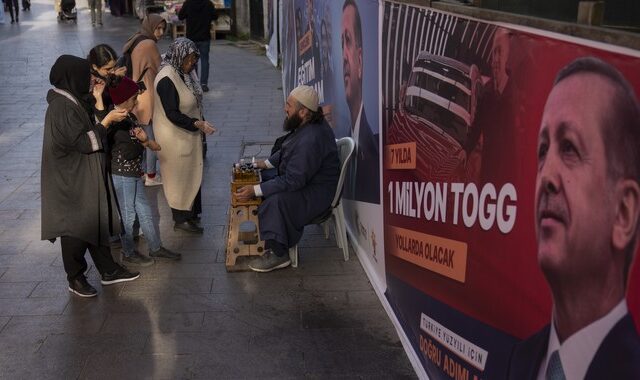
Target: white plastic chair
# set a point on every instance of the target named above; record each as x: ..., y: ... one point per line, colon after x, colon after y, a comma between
x: 346, y: 146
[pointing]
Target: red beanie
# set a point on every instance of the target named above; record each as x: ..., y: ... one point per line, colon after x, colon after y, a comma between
x: 123, y: 91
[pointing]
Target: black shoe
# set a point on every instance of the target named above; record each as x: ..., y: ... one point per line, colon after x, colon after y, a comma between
x: 138, y: 259
x: 13, y: 21
x: 80, y: 286
x: 121, y: 274
x: 189, y: 227
x: 205, y: 88
x: 165, y: 253
x: 269, y: 261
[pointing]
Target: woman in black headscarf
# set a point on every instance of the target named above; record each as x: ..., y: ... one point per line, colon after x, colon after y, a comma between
x: 77, y: 199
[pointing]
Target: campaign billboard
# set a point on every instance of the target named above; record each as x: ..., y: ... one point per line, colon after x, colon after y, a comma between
x: 508, y: 201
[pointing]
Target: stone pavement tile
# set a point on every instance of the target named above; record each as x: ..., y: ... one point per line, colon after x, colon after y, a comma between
x: 234, y: 282
x: 328, y: 364
x: 344, y: 318
x: 175, y: 303
x: 54, y: 324
x: 269, y: 364
x: 33, y: 273
x: 150, y: 286
x: 12, y: 246
x: 301, y: 300
x: 3, y: 322
x: 110, y: 366
x: 254, y: 283
x: 23, y: 230
x: 26, y: 334
x: 353, y: 266
x: 39, y: 366
x: 152, y: 322
x: 28, y: 258
x: 48, y: 289
x: 44, y: 246
x: 319, y: 267
x: 6, y: 215
x: 33, y: 306
x: 315, y: 241
x: 199, y: 256
x: 362, y: 299
x: 309, y: 254
x: 257, y: 321
x: 336, y: 282
x: 170, y: 270
x: 16, y: 289
x: 303, y: 340
x: 102, y: 305
x: 322, y: 300
x: 72, y: 345
x: 33, y: 215
x: 371, y: 338
x: 25, y: 342
x: 235, y: 322
x: 386, y: 363
x: 198, y: 342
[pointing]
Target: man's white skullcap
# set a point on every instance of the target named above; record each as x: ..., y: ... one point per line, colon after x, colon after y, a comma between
x: 307, y: 96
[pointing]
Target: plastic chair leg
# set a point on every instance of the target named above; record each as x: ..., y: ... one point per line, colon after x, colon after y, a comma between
x: 293, y: 256
x: 341, y: 231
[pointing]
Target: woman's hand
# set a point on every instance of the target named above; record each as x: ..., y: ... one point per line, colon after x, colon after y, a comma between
x: 205, y: 127
x: 140, y: 134
x: 114, y: 116
x: 97, y: 91
x: 98, y: 88
x: 153, y: 145
x: 120, y: 71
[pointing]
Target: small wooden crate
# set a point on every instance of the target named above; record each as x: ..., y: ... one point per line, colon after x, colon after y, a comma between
x: 245, y: 179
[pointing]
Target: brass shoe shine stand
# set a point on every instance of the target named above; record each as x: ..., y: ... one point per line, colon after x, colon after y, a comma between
x: 243, y: 238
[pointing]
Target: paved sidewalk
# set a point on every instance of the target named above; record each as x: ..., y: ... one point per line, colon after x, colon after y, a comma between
x: 182, y: 320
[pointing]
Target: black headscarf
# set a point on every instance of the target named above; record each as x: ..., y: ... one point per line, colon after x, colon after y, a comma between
x: 72, y: 74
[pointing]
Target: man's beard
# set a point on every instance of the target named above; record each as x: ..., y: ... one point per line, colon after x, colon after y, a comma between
x: 291, y: 123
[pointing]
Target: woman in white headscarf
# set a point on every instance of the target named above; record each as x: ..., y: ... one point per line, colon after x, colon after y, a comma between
x: 178, y: 124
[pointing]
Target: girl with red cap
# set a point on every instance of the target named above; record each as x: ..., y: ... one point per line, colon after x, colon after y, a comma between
x: 128, y: 141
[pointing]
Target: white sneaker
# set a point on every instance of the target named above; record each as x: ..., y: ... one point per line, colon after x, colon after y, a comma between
x: 155, y: 181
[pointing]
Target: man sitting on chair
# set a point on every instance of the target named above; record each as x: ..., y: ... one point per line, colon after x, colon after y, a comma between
x: 308, y: 169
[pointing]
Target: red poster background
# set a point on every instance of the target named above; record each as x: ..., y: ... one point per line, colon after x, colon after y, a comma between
x: 504, y: 286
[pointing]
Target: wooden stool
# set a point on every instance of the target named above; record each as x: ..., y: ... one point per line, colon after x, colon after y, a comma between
x: 178, y: 30
x: 243, y: 237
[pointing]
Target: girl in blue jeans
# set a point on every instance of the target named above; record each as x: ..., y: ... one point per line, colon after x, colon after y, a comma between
x: 128, y: 141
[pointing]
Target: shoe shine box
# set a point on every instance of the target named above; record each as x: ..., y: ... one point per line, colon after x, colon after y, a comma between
x: 244, y: 175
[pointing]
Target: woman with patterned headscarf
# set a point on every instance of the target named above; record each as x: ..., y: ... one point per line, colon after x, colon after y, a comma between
x: 178, y: 124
